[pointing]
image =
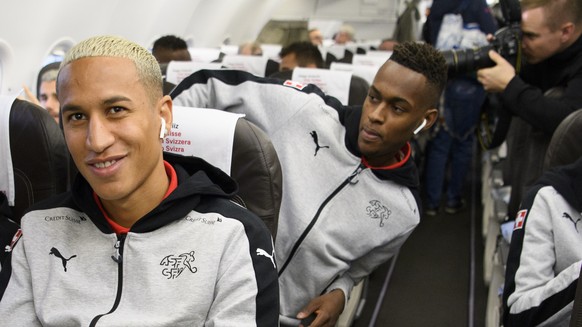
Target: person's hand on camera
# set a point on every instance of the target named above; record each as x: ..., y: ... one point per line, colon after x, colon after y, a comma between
x: 327, y: 307
x: 496, y: 78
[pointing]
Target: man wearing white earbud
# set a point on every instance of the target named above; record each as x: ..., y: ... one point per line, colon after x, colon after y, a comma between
x: 144, y: 238
x: 351, y: 188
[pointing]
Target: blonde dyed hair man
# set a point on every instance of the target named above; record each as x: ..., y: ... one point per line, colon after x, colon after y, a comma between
x: 147, y: 67
x: 143, y: 238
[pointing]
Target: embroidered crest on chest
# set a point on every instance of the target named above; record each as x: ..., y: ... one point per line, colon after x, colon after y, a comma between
x: 377, y: 210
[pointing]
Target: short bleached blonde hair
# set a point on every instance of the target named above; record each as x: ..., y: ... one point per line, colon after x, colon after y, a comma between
x: 146, y: 64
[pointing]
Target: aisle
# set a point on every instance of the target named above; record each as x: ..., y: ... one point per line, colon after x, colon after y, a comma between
x: 431, y: 281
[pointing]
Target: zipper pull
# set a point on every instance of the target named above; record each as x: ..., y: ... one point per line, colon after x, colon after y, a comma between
x: 117, y: 256
x: 354, y: 174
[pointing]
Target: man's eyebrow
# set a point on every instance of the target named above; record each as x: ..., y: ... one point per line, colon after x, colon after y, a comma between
x: 70, y: 107
x: 106, y: 102
x: 395, y: 99
x: 115, y: 99
x: 529, y: 34
x: 373, y: 90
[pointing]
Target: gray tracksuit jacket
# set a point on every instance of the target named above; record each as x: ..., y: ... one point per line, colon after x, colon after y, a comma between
x: 339, y: 220
x: 545, y: 254
x: 197, y: 259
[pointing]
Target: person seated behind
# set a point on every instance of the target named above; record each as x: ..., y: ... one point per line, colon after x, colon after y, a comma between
x: 250, y: 49
x: 148, y: 229
x: 300, y: 54
x: 350, y: 182
x: 315, y: 36
x: 48, y: 93
x: 304, y: 54
x: 47, y: 97
x: 544, y: 259
x: 345, y: 34
x: 170, y: 48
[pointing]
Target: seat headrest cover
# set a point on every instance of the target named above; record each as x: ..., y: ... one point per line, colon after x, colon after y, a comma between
x: 176, y: 71
x: 216, y: 127
x: 332, y: 82
x: 6, y: 170
x: 255, y: 65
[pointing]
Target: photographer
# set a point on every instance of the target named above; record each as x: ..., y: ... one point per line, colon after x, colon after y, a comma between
x: 463, y: 97
x: 553, y: 51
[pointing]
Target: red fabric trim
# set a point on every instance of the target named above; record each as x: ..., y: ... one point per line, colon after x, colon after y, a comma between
x: 118, y: 229
x: 406, y: 151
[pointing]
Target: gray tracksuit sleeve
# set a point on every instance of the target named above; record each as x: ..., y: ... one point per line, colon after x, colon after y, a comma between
x: 17, y: 305
x: 549, y: 263
x: 268, y: 105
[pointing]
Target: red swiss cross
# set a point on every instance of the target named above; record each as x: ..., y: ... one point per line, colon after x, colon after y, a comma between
x: 520, y: 219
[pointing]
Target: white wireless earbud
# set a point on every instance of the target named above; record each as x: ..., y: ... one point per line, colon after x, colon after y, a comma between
x: 419, y: 128
x: 163, y: 129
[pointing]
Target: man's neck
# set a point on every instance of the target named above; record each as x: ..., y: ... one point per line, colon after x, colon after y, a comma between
x: 396, y: 160
x: 127, y: 211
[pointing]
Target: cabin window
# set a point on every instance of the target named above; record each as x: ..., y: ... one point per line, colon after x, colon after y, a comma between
x: 57, y: 52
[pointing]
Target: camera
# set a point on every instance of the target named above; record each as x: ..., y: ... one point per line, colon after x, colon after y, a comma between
x: 507, y: 43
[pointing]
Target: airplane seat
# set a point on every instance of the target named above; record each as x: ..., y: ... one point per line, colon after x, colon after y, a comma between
x: 257, y: 170
x: 239, y: 148
x: 272, y: 67
x: 347, y: 58
x: 358, y: 89
x: 39, y: 160
x: 501, y: 179
x: 256, y: 65
x: 167, y: 87
x: 565, y: 146
x: 40, y: 157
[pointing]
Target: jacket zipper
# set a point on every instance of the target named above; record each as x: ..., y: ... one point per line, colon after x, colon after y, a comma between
x: 117, y: 257
x: 349, y: 180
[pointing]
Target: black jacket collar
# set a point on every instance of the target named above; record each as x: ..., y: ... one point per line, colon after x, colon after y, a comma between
x: 196, y: 179
x: 406, y: 175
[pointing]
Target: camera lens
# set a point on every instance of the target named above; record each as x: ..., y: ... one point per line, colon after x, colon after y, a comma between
x: 467, y: 60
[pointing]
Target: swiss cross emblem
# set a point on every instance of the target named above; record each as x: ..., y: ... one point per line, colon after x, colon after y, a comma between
x: 520, y: 219
x: 293, y: 84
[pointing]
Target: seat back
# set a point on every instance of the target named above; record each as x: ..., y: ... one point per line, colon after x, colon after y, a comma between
x: 352, y: 94
x: 256, y: 65
x: 39, y: 154
x: 257, y: 170
x: 363, y: 71
x: 176, y: 71
x: 565, y: 146
x: 239, y: 148
x: 204, y: 55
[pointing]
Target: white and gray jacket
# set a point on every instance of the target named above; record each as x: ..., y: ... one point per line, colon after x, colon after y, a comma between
x: 546, y: 251
x: 196, y: 259
x: 339, y: 219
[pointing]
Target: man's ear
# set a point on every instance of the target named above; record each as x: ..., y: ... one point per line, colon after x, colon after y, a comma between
x: 431, y: 116
x: 568, y: 32
x: 165, y: 104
